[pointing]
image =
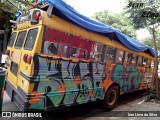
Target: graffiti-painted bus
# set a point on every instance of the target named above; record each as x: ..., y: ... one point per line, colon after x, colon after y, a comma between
x: 53, y: 62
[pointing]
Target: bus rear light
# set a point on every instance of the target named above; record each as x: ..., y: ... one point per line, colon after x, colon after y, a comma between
x: 37, y: 15
x: 29, y: 58
x: 25, y: 57
x: 7, y: 52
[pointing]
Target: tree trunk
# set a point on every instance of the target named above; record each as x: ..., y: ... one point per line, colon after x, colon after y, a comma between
x: 155, y: 64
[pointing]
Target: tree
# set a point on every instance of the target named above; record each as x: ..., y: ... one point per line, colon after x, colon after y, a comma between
x: 7, y: 13
x: 118, y: 21
x: 146, y: 15
x: 149, y: 40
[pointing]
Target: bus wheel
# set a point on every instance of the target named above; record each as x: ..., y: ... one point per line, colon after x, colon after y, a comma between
x: 111, y: 98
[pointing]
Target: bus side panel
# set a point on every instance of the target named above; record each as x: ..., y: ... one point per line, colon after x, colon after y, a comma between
x: 67, y: 82
x: 128, y: 77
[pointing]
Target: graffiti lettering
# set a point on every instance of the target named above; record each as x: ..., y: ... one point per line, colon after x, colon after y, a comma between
x: 79, y: 82
x: 129, y: 77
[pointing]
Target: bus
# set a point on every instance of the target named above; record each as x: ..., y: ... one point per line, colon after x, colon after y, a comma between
x: 53, y: 62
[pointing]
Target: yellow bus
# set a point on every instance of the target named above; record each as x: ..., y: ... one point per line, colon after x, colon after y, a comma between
x: 53, y: 62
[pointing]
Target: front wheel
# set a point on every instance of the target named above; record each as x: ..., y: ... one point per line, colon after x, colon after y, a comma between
x: 111, y: 98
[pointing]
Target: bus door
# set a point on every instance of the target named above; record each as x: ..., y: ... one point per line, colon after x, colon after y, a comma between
x: 10, y: 49
x: 16, y: 57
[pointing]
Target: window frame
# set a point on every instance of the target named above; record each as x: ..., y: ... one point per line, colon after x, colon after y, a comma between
x: 23, y: 40
x: 117, y: 62
x: 13, y: 41
x: 138, y: 63
x: 134, y: 57
x: 106, y: 51
x: 97, y: 53
x: 27, y: 38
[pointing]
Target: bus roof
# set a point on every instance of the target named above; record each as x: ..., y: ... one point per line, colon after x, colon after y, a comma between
x: 63, y: 10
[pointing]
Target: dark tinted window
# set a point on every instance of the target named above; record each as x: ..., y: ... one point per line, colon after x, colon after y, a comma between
x: 20, y: 40
x: 31, y: 38
x: 14, y: 68
x: 11, y: 40
x: 50, y: 48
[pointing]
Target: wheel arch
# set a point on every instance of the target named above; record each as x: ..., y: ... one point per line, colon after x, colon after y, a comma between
x: 114, y: 84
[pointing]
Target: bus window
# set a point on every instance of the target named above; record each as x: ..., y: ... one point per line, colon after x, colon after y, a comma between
x: 134, y: 59
x: 12, y: 38
x: 145, y: 61
x: 110, y: 54
x: 98, y: 52
x: 119, y: 56
x: 78, y: 53
x: 50, y: 48
x: 74, y: 52
x: 152, y: 64
x: 83, y: 54
x: 14, y: 68
x: 140, y: 60
x: 20, y: 40
x: 63, y: 50
x: 92, y: 55
x: 92, y: 47
x: 31, y: 37
x: 128, y: 58
x: 148, y: 63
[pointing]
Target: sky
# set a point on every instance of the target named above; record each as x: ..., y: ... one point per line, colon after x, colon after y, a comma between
x: 89, y: 7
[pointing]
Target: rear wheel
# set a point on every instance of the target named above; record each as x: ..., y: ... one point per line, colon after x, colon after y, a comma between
x: 111, y: 98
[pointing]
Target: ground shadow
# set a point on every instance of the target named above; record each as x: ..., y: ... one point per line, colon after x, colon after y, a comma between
x: 93, y: 109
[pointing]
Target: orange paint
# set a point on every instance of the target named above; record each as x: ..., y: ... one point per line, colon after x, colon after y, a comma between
x: 34, y: 101
x: 62, y: 88
x: 56, y: 57
x: 75, y: 60
x: 106, y: 84
x: 91, y: 93
x: 35, y: 98
x: 77, y: 81
x: 64, y: 58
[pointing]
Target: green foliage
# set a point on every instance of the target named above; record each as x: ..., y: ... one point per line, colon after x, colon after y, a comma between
x: 7, y: 7
x: 8, y: 10
x: 145, y: 15
x: 118, y: 21
x: 149, y: 40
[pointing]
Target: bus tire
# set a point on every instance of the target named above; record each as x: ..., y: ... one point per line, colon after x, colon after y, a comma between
x: 111, y: 98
